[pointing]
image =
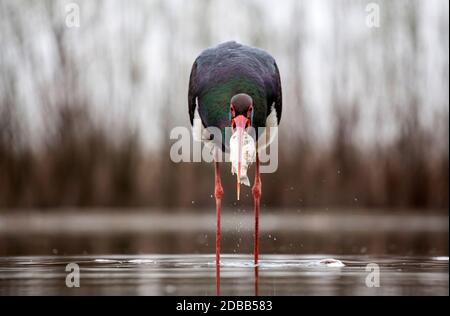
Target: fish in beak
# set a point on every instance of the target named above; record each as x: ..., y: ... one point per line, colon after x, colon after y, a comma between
x: 242, y: 151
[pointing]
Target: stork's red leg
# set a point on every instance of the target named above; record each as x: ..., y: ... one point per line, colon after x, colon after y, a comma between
x: 218, y: 192
x: 256, y: 190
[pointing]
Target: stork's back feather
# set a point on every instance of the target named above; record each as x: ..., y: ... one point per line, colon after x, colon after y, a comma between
x: 230, y: 68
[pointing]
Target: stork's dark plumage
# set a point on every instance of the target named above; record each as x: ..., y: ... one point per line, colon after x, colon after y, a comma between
x: 237, y: 86
x: 221, y: 72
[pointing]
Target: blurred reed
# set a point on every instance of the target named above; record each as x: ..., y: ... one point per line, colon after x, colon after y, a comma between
x: 81, y: 142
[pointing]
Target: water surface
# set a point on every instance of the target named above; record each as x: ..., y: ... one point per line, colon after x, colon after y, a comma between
x: 195, y: 275
x: 131, y: 252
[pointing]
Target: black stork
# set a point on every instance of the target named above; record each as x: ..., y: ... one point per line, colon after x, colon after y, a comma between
x: 237, y: 86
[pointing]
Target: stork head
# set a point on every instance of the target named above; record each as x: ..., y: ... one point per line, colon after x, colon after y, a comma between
x: 241, y: 114
x: 241, y: 110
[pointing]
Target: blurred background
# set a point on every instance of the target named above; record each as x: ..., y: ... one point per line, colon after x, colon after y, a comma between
x: 86, y: 112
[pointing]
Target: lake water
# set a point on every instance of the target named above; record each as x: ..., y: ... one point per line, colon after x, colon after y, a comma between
x: 137, y: 253
x: 195, y: 275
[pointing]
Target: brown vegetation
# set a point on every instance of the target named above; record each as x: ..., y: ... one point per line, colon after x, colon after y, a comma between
x: 81, y: 160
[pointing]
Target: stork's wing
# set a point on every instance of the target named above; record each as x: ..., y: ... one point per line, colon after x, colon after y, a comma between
x: 192, y: 94
x: 277, y: 98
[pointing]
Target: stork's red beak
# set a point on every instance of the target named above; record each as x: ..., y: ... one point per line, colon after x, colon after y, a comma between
x: 241, y: 123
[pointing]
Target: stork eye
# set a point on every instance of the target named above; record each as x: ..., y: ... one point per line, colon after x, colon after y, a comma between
x: 233, y: 113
